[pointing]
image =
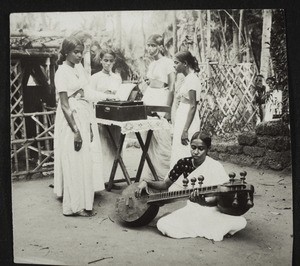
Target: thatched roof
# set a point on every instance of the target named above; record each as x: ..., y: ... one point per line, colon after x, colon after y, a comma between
x: 34, y: 44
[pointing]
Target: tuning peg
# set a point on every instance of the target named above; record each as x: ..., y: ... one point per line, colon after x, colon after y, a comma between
x: 231, y: 177
x: 249, y: 201
x: 185, y: 182
x: 235, y: 201
x: 193, y: 182
x: 200, y: 180
x: 243, y: 176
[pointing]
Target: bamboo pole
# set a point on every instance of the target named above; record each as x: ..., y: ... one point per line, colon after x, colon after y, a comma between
x: 38, y: 142
x: 43, y: 161
x: 47, y: 144
x: 15, y: 155
x: 33, y: 114
x: 29, y: 140
x: 26, y: 146
x: 45, y: 170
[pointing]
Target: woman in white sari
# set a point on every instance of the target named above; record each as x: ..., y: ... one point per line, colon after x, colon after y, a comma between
x: 77, y: 150
x: 161, y: 79
x: 198, y: 218
x: 186, y: 118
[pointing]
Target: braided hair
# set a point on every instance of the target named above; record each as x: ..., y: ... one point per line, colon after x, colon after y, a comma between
x: 187, y: 57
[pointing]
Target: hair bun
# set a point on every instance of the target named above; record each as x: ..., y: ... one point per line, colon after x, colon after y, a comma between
x: 155, y: 39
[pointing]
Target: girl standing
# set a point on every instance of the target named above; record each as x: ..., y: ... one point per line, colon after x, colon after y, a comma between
x: 76, y: 175
x: 107, y: 82
x: 161, y: 79
x: 187, y: 119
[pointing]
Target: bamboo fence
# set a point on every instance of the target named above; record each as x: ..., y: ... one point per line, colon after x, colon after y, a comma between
x: 227, y: 95
x: 226, y: 106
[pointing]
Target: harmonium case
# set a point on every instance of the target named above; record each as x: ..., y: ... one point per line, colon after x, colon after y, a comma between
x: 121, y: 110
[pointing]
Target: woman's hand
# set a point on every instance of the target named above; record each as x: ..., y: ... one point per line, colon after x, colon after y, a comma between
x: 202, y: 200
x: 197, y: 197
x: 184, y: 138
x: 109, y: 92
x: 167, y: 116
x: 91, y: 132
x: 142, y: 186
x: 77, y: 141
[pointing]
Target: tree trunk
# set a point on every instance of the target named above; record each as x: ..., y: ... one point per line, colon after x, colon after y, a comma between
x: 196, y: 48
x: 235, y: 40
x: 224, y: 39
x: 208, y: 33
x: 118, y: 29
x: 202, y: 36
x: 265, y: 43
x: 241, y: 26
x: 175, y: 48
x: 247, y: 42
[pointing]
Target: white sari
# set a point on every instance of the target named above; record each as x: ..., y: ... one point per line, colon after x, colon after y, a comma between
x: 195, y: 220
x: 77, y: 174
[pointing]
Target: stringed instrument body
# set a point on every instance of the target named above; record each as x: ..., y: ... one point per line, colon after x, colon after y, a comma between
x: 234, y: 198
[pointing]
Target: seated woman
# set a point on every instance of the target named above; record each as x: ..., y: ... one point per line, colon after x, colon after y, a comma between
x: 200, y: 217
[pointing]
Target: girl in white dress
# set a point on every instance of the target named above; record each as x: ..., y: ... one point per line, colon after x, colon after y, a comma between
x: 199, y: 218
x: 76, y: 175
x: 161, y: 79
x: 107, y: 82
x: 187, y: 119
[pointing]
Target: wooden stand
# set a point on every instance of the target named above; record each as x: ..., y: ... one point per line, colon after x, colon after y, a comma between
x: 118, y: 159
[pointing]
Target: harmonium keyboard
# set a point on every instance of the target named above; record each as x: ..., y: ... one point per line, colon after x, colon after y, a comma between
x: 126, y: 110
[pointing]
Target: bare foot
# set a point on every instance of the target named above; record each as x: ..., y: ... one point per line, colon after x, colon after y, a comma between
x: 228, y: 235
x: 91, y: 213
x: 82, y: 213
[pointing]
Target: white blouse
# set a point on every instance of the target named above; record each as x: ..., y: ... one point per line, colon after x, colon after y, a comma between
x: 103, y: 82
x: 160, y: 69
x: 69, y: 79
x: 191, y: 82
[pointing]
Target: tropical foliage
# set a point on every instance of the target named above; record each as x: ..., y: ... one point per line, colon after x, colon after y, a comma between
x: 223, y: 36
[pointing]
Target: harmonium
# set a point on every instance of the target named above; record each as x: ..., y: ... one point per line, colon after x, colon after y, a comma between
x: 121, y: 110
x: 126, y: 110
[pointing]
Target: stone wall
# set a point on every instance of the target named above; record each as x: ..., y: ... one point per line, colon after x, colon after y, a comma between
x: 268, y: 147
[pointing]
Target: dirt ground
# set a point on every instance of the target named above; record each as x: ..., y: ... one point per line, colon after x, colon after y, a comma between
x: 43, y: 235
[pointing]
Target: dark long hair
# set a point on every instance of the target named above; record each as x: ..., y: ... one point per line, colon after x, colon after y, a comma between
x: 67, y: 46
x: 205, y: 137
x: 187, y: 57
